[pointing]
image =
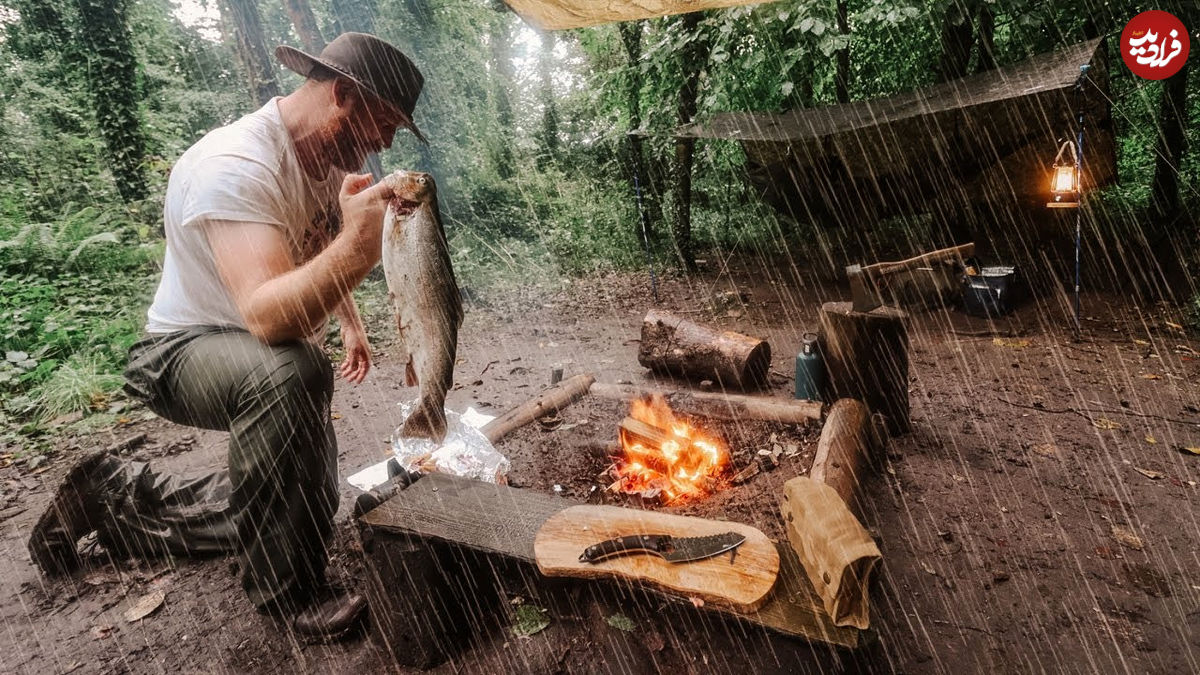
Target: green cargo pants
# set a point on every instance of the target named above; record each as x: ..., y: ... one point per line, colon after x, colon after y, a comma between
x: 275, y: 504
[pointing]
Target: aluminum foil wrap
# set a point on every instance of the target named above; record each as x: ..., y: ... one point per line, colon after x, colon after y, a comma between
x: 466, y: 451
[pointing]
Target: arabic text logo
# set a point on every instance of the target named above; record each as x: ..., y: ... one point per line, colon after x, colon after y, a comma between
x: 1155, y: 45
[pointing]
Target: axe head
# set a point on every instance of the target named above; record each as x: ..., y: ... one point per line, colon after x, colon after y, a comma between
x: 863, y: 290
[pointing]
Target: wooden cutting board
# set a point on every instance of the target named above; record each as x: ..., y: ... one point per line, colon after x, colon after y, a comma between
x: 743, y: 586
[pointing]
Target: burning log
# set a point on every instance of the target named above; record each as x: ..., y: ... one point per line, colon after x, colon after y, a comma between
x: 720, y: 406
x: 666, y: 456
x: 866, y: 357
x: 679, y: 347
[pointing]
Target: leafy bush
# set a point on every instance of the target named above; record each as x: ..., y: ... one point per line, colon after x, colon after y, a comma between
x: 73, y: 293
x: 85, y: 382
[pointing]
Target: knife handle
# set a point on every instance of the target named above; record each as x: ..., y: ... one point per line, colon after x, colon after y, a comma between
x: 636, y: 543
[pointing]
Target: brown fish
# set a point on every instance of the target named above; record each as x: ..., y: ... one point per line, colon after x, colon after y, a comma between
x: 424, y: 295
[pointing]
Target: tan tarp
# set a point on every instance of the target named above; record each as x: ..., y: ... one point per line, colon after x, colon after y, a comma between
x: 986, y: 137
x: 556, y: 14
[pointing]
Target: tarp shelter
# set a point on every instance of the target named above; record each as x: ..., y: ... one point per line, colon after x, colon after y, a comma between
x: 988, y: 138
x: 557, y: 14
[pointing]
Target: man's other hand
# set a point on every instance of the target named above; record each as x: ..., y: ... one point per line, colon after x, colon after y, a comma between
x: 358, y: 355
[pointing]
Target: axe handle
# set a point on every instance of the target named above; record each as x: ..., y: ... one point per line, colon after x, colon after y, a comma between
x: 952, y: 253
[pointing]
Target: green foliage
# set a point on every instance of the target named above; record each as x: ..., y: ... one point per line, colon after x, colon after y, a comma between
x: 70, y: 288
x: 107, y: 49
x: 85, y: 382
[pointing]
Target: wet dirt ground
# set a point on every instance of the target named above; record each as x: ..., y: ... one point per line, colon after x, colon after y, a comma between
x: 1040, y: 517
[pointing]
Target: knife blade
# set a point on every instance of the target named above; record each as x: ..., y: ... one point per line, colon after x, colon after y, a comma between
x: 671, y: 549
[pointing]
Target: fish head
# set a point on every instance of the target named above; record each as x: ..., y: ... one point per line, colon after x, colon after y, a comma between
x: 411, y: 190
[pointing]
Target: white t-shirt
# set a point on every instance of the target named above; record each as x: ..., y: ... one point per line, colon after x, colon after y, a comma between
x: 245, y: 172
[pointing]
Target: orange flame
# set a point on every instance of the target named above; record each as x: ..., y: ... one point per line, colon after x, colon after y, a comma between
x: 684, y: 467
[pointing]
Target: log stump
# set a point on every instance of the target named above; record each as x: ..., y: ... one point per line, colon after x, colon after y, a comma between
x: 866, y: 357
x: 415, y: 616
x: 676, y: 346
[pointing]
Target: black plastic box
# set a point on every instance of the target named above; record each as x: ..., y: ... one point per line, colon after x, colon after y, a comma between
x: 991, y: 293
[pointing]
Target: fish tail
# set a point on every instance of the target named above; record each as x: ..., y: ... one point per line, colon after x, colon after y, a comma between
x: 427, y: 421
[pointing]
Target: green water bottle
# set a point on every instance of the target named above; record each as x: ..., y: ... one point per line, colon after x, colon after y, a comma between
x: 810, y: 369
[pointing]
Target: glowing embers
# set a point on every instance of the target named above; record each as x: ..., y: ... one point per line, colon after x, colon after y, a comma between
x: 666, y: 458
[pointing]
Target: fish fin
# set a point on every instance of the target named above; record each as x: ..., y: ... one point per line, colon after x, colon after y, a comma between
x: 410, y: 373
x: 427, y: 421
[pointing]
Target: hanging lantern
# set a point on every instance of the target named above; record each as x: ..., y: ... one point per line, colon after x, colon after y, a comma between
x: 1064, y: 180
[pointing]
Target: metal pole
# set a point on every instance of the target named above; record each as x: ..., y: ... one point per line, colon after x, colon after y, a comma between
x: 1083, y: 69
x: 637, y: 185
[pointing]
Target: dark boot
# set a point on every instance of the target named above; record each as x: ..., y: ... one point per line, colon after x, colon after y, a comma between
x: 325, y: 613
x: 331, y: 616
x: 75, y: 511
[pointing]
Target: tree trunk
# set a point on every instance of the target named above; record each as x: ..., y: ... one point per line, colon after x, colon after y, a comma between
x: 986, y: 47
x: 353, y: 15
x: 956, y: 41
x: 549, y: 107
x: 502, y: 86
x: 842, y: 76
x: 1171, y: 146
x: 639, y: 179
x: 252, y: 50
x: 305, y: 23
x: 693, y: 56
x: 112, y: 82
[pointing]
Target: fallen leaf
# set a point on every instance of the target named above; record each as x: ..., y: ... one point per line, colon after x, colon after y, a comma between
x: 1152, y: 475
x: 928, y: 568
x: 1151, y: 376
x: 1141, y: 342
x: 336, y: 416
x: 1127, y: 538
x: 1011, y: 344
x: 1105, y: 423
x: 1046, y: 449
x: 531, y: 619
x: 1174, y: 325
x: 145, y: 606
x: 1150, y: 439
x: 622, y: 622
x: 1190, y: 451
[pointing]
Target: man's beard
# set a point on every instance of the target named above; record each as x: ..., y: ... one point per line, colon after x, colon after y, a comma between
x: 343, y: 152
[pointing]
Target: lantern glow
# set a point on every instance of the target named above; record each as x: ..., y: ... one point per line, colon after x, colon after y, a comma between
x: 1064, y: 180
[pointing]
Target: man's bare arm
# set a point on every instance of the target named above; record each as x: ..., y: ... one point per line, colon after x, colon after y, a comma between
x: 280, y: 301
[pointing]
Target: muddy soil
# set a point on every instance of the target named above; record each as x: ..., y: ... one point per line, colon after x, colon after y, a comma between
x: 1041, y: 516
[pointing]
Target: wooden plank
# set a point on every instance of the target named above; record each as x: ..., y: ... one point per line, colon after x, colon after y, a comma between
x: 742, y: 585
x: 504, y: 521
x: 491, y: 518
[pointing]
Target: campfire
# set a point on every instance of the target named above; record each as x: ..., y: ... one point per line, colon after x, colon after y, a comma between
x: 664, y: 457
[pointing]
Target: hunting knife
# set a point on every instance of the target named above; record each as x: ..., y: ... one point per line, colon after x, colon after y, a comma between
x: 671, y: 549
